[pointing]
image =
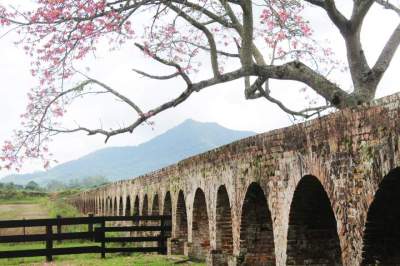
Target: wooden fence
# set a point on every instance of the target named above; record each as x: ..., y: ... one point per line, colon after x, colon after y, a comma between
x: 96, y: 233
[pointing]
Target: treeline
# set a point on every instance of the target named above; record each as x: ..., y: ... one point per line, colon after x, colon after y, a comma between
x: 82, y: 183
x: 52, y: 186
x: 11, y: 191
x: 32, y: 186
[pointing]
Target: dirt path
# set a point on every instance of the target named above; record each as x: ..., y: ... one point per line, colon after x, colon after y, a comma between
x: 21, y: 211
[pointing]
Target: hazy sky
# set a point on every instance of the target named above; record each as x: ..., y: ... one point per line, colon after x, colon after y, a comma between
x: 224, y: 104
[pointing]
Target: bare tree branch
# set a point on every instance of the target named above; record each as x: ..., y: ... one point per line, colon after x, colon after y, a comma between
x: 168, y: 63
x: 336, y: 17
x: 218, y: 51
x: 214, y: 17
x: 207, y: 33
x: 298, y: 71
x: 388, y: 5
x: 360, y: 9
x: 159, y: 77
x: 246, y: 51
x: 239, y: 29
x: 386, y: 55
x: 257, y: 91
x: 320, y: 3
x: 115, y: 93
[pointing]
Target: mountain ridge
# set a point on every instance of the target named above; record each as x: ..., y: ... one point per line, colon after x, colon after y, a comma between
x: 116, y: 163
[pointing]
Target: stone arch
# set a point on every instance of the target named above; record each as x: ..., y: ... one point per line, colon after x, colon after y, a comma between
x: 121, y: 206
x: 382, y: 229
x: 312, y: 231
x: 155, y: 210
x: 256, y: 231
x: 200, y: 227
x: 128, y: 206
x: 145, y: 207
x: 136, y: 206
x: 224, y: 237
x: 181, y: 225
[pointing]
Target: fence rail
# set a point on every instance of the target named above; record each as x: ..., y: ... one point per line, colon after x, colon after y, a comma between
x: 96, y: 233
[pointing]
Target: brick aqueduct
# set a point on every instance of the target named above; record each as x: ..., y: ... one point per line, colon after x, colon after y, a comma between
x: 324, y: 192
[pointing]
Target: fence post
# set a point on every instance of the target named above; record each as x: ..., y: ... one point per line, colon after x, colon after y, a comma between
x: 24, y: 230
x: 49, y: 242
x: 59, y: 228
x: 90, y: 226
x: 161, y: 245
x: 102, y: 237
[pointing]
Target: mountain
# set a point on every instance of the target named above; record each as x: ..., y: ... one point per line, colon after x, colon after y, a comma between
x: 115, y: 163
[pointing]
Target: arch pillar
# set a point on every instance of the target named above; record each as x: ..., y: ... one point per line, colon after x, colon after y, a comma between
x: 200, y: 229
x: 178, y: 243
x: 221, y: 252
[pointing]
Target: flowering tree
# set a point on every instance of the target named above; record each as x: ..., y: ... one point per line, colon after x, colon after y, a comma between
x: 266, y: 39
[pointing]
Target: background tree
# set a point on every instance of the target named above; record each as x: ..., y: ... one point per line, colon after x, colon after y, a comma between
x: 255, y: 41
x: 32, y: 185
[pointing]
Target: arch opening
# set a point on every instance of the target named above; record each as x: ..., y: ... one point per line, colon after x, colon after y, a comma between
x: 256, y: 231
x: 109, y: 206
x: 155, y: 210
x: 136, y: 206
x: 128, y: 206
x: 312, y: 235
x: 135, y: 213
x: 145, y: 207
x: 382, y: 229
x: 200, y: 227
x: 167, y: 210
x: 115, y: 210
x: 224, y: 238
x: 121, y: 206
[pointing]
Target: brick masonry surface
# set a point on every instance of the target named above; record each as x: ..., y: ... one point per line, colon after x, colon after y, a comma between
x: 323, y: 192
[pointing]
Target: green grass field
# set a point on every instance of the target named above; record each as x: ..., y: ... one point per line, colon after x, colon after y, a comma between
x: 94, y: 259
x: 43, y: 207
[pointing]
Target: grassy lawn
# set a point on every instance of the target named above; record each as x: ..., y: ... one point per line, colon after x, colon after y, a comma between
x: 24, y: 200
x: 93, y: 259
x: 23, y: 208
